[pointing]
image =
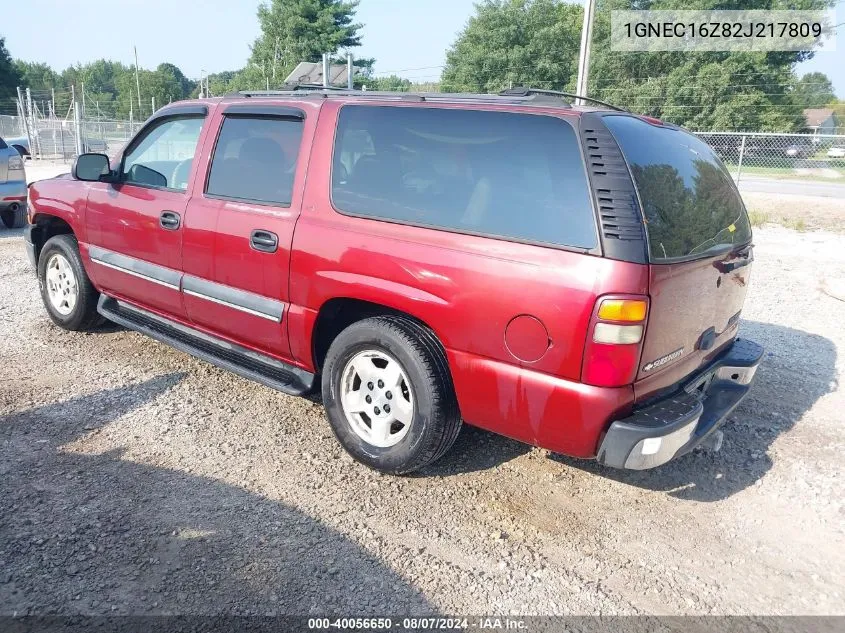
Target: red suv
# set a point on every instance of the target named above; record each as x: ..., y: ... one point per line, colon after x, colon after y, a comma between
x: 570, y: 277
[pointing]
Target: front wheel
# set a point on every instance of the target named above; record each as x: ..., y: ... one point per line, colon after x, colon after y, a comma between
x: 66, y: 290
x: 388, y: 394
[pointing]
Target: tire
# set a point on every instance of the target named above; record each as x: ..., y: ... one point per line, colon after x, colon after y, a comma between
x: 59, y: 254
x: 434, y: 420
x: 14, y: 219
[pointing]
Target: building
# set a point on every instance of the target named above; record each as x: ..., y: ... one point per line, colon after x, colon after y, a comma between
x: 820, y: 120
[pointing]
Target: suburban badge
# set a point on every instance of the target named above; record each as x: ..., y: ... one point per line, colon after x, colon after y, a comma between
x: 663, y: 360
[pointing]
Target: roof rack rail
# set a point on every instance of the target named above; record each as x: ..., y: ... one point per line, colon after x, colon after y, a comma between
x: 527, y: 92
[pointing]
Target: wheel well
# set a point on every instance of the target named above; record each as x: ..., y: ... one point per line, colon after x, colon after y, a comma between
x: 338, y: 314
x: 21, y: 150
x: 48, y: 226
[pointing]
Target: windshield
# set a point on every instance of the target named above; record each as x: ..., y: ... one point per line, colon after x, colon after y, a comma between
x: 691, y: 204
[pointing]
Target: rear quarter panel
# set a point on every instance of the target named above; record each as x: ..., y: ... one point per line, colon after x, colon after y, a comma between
x: 468, y: 289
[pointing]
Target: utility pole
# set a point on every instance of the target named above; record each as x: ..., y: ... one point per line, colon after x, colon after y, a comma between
x: 584, y: 57
x: 349, y: 70
x: 53, y: 102
x: 202, y: 83
x: 137, y: 80
x: 275, y: 56
x: 325, y: 70
x: 153, y: 102
x: 82, y: 114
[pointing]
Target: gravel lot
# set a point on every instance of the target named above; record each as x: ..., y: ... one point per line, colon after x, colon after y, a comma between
x: 135, y: 479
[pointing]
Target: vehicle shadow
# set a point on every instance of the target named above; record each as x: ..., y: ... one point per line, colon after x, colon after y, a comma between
x: 101, y: 534
x: 797, y: 369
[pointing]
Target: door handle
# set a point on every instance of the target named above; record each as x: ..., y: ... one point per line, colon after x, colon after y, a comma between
x: 169, y: 220
x: 264, y: 241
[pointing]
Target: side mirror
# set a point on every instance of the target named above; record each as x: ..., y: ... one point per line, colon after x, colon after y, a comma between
x: 91, y: 167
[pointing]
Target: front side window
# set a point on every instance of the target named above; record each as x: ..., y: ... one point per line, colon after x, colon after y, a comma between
x: 502, y: 174
x: 164, y: 156
x: 255, y: 159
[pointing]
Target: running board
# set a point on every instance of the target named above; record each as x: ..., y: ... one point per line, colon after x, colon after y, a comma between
x: 239, y: 360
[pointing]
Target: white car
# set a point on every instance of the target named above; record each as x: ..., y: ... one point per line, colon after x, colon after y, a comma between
x: 836, y: 152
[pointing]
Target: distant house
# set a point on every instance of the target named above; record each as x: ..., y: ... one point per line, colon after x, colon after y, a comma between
x: 820, y: 120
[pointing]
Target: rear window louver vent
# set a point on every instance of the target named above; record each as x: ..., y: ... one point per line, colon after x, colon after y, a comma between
x: 613, y: 193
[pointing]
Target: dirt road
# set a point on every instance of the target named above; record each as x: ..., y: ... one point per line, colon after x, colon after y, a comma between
x: 135, y: 479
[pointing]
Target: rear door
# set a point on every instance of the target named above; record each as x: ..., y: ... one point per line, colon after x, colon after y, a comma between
x: 240, y: 222
x: 135, y: 226
x: 699, y: 240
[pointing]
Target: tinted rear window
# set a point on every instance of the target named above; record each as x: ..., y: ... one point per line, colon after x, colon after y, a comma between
x: 501, y: 174
x: 690, y: 201
x: 255, y: 159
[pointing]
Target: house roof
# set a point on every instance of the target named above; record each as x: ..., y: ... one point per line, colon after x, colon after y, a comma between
x: 816, y: 116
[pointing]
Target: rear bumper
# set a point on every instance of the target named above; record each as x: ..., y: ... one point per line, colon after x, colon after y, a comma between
x: 676, y: 424
x: 12, y: 193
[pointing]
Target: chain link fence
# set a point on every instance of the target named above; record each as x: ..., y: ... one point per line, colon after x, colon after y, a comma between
x: 780, y: 156
x: 55, y: 138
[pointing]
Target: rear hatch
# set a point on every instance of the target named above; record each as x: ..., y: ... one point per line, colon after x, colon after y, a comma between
x: 699, y: 241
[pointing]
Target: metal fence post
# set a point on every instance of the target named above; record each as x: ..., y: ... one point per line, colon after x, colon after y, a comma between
x: 741, y: 154
x: 78, y: 125
x: 29, y: 139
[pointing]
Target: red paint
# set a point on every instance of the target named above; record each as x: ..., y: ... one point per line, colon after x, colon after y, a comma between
x: 527, y: 338
x: 467, y: 289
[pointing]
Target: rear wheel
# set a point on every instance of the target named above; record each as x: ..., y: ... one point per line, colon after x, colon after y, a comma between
x: 14, y: 218
x: 67, y: 293
x: 388, y: 394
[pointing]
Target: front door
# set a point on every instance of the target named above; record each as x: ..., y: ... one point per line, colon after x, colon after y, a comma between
x: 134, y: 226
x: 239, y: 226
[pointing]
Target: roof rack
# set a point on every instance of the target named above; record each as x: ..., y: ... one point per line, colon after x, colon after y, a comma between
x: 512, y: 95
x: 527, y: 92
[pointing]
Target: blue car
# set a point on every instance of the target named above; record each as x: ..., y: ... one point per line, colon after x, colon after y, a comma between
x: 12, y: 187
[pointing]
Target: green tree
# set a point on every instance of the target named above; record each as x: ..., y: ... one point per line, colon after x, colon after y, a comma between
x: 536, y: 42
x: 814, y: 90
x: 515, y: 42
x: 389, y: 83
x: 293, y: 31
x: 37, y: 76
x: 10, y: 77
x: 174, y: 71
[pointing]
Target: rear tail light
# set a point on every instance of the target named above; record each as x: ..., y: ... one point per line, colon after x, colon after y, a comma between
x: 614, y: 343
x: 15, y: 163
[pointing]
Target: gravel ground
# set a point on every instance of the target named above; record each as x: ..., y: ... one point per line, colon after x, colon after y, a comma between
x: 135, y: 479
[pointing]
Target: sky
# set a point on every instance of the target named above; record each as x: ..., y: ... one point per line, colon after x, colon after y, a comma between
x: 406, y: 37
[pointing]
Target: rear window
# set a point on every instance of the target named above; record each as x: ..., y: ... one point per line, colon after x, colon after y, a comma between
x: 691, y: 204
x: 508, y: 175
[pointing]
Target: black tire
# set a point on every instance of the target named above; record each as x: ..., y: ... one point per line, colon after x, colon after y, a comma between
x: 14, y: 219
x: 84, y: 315
x: 436, y: 421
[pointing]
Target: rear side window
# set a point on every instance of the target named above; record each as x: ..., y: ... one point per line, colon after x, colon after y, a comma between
x: 691, y: 204
x: 516, y: 176
x: 255, y: 159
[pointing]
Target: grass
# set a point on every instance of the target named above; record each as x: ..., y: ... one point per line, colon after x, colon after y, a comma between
x: 787, y: 172
x: 757, y: 217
